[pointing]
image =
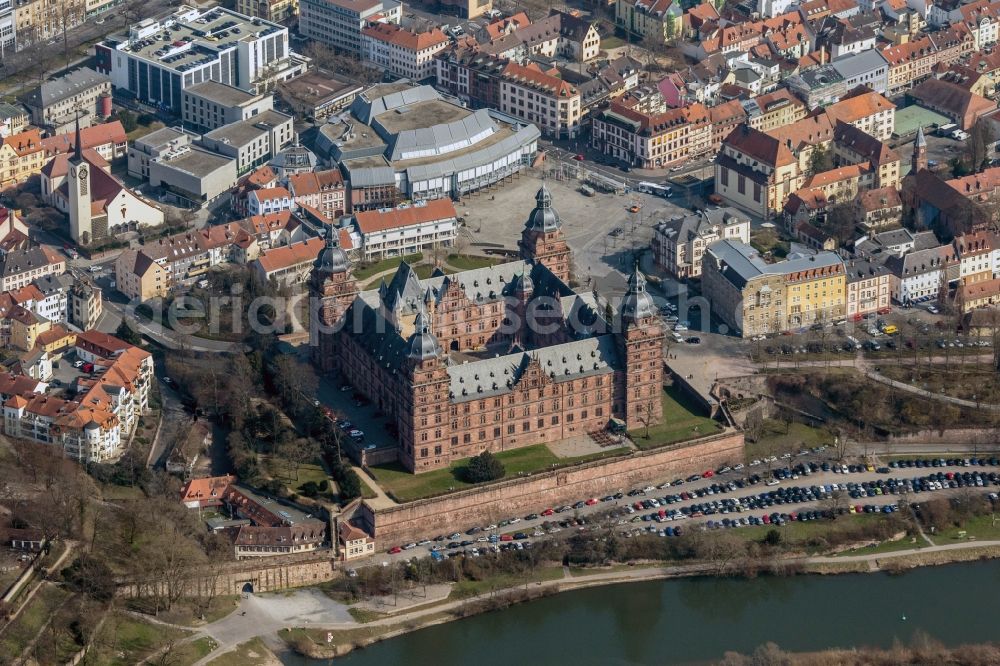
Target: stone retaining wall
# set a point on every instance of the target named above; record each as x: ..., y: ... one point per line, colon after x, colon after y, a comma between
x: 482, y: 506
x: 265, y: 574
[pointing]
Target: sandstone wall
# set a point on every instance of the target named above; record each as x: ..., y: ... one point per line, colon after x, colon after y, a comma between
x: 265, y: 574
x: 516, y: 497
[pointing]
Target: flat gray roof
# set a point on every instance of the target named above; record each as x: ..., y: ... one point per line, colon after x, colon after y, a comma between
x: 197, y: 162
x: 859, y: 63
x: 160, y: 137
x: 220, y: 93
x: 243, y: 132
x: 420, y: 115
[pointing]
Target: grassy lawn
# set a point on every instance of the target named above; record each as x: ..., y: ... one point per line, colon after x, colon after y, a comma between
x: 979, y: 528
x: 365, y: 272
x: 406, y: 487
x: 471, y: 588
x: 424, y: 271
x: 193, y: 652
x: 465, y: 262
x: 886, y: 547
x: 188, y: 612
x: 125, y: 640
x: 366, y: 490
x: 309, y: 472
x: 591, y: 571
x: 364, y: 616
x: 23, y: 630
x: 681, y: 421
x: 111, y: 492
x: 143, y: 130
x: 774, y: 439
x: 611, y: 43
x: 251, y: 653
x: 767, y: 240
x: 800, y: 533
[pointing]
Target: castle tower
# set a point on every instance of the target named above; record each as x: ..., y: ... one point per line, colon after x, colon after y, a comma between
x: 522, y: 288
x: 332, y: 289
x: 80, y: 218
x: 423, y: 416
x: 919, y: 161
x: 542, y: 238
x: 641, y: 341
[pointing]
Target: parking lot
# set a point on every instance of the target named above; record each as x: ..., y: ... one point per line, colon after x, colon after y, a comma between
x: 65, y: 371
x: 903, y: 330
x: 801, y: 488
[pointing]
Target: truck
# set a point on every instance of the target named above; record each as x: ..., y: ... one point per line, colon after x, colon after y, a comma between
x: 946, y: 130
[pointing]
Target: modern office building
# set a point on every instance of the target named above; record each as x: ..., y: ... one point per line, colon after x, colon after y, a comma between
x: 338, y: 23
x: 157, y: 59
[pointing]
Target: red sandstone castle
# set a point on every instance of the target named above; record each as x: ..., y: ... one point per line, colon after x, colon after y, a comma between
x: 493, y: 358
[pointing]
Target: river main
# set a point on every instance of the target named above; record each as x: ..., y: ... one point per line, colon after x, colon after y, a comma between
x: 698, y: 619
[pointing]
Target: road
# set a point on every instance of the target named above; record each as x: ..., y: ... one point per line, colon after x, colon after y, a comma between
x: 174, y: 421
x: 172, y: 340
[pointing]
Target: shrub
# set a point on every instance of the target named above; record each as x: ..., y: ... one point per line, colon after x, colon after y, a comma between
x: 484, y: 467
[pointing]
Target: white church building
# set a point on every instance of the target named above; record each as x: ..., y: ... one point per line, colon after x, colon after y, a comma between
x: 99, y: 205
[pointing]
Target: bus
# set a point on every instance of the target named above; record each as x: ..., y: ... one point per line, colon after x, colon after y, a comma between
x: 652, y: 188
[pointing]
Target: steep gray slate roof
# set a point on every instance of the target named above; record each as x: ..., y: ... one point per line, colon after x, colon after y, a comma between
x: 64, y: 87
x: 496, y: 376
x: 590, y: 353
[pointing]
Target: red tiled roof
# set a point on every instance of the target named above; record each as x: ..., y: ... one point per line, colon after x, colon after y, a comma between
x: 533, y: 76
x: 206, y: 488
x: 90, y: 137
x: 372, y: 221
x: 25, y: 143
x: 291, y: 255
x: 413, y: 41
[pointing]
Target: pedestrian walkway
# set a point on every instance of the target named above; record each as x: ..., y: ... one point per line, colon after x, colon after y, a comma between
x: 381, y: 500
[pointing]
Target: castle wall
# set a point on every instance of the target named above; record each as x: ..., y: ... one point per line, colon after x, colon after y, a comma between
x: 489, y: 504
x: 265, y: 574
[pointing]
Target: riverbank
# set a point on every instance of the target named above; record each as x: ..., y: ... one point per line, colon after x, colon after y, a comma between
x: 923, y: 651
x: 326, y: 643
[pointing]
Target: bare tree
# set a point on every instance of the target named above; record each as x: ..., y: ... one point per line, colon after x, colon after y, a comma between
x: 753, y: 426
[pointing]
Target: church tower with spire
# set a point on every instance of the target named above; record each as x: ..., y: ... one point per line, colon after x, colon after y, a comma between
x: 80, y: 217
x: 640, y: 336
x: 542, y: 238
x: 332, y: 289
x: 423, y: 415
x: 919, y: 161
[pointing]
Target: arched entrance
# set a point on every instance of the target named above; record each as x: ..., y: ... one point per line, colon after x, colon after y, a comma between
x: 247, y: 588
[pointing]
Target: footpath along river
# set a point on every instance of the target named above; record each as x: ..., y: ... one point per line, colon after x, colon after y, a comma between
x: 696, y: 620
